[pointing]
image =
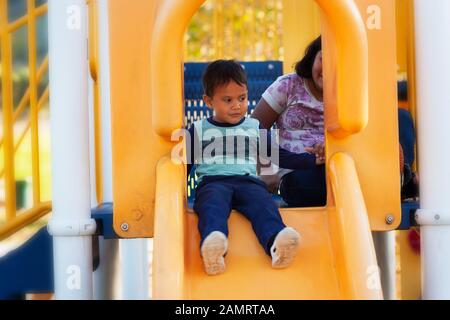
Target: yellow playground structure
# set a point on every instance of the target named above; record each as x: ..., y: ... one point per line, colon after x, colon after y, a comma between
x: 113, y: 176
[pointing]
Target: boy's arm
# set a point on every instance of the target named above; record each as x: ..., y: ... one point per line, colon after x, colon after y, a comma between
x: 290, y: 160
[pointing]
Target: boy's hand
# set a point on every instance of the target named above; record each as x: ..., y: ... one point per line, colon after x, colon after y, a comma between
x: 319, y: 151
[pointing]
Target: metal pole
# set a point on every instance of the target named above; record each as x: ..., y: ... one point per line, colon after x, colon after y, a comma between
x: 134, y: 269
x: 71, y: 225
x: 384, y: 243
x: 105, y: 282
x: 105, y: 98
x: 432, y: 21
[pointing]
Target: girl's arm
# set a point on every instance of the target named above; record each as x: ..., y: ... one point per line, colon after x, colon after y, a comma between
x: 265, y: 114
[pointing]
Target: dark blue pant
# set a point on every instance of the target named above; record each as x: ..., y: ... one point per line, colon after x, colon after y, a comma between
x: 216, y: 196
x: 307, y: 188
x: 407, y: 135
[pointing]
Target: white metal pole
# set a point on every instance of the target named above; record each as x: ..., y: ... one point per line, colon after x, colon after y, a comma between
x: 384, y: 243
x: 105, y: 277
x: 105, y: 98
x: 92, y: 164
x: 432, y: 22
x: 134, y: 269
x: 105, y: 280
x: 71, y: 225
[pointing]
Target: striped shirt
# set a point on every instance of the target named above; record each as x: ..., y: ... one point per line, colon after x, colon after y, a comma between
x: 222, y: 149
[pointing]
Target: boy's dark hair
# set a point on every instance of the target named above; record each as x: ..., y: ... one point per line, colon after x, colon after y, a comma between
x: 304, y: 67
x: 221, y: 72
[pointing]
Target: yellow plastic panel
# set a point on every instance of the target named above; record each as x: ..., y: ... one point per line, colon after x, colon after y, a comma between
x: 401, y: 7
x: 170, y: 233
x: 411, y: 61
x: 145, y: 112
x: 167, y: 64
x: 136, y: 147
x: 356, y: 263
x: 336, y: 258
x: 301, y: 25
x: 345, y: 68
x: 375, y: 148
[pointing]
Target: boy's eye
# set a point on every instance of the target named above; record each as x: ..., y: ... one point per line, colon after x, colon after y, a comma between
x: 242, y: 99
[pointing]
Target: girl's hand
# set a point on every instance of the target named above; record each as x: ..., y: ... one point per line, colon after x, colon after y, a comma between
x: 319, y: 151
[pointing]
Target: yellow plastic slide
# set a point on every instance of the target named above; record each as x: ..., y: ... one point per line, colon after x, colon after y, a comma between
x: 336, y: 259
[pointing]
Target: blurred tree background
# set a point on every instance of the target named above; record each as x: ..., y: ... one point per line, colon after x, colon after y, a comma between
x: 247, y: 30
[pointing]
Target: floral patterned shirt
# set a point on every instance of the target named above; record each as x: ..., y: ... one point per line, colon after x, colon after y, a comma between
x: 301, y: 120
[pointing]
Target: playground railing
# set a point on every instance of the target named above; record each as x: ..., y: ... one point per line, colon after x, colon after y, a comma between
x: 16, y: 219
x: 10, y: 145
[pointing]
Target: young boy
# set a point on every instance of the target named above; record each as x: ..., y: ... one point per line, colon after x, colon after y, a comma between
x: 225, y: 150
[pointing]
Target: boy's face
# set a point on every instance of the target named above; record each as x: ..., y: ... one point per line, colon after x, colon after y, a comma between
x: 229, y: 101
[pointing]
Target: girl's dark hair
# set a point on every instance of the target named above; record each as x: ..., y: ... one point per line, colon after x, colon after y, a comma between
x: 304, y: 67
x: 221, y: 72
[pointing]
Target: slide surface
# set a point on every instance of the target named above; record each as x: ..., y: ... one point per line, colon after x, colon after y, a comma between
x: 248, y: 269
x: 336, y: 258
